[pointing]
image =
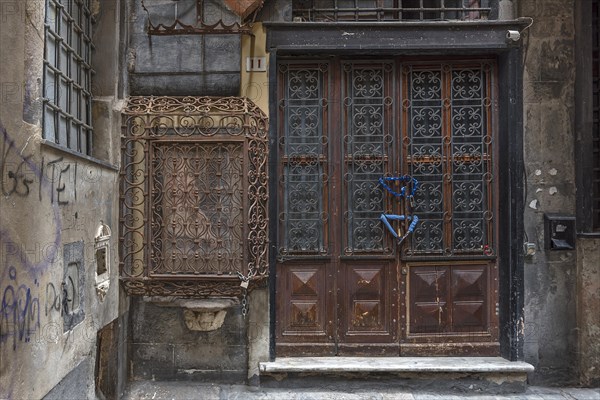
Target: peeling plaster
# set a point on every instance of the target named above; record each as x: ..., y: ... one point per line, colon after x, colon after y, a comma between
x: 533, y: 204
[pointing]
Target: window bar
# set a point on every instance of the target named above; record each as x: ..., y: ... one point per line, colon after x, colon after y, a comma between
x: 67, y: 68
x: 417, y: 10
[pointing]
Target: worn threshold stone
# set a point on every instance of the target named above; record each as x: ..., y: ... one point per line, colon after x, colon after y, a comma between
x: 399, y: 364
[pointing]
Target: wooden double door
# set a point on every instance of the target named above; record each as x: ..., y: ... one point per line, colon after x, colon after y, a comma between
x: 345, y: 286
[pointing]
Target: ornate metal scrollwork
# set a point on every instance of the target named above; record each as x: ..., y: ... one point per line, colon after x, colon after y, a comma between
x: 193, y: 214
x: 450, y: 147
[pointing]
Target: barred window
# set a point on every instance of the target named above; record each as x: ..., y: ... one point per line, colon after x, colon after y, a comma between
x: 67, y: 93
x: 391, y: 10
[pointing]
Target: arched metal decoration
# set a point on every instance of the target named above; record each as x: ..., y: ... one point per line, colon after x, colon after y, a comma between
x: 404, y: 196
x: 193, y: 204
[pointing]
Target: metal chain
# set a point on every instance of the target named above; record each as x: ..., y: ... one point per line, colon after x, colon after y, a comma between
x: 245, y: 303
x: 245, y: 282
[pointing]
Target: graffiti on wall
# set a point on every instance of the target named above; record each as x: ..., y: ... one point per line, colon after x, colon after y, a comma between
x: 19, y: 311
x: 24, y: 303
x: 22, y: 177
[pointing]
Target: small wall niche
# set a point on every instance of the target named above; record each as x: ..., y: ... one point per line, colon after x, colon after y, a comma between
x: 101, y: 267
x: 102, y: 259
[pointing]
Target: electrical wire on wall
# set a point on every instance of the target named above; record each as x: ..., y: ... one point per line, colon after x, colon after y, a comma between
x: 524, y: 172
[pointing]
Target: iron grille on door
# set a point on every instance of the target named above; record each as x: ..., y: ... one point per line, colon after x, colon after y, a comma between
x: 447, y: 140
x: 368, y: 130
x: 434, y: 123
x: 304, y: 159
x: 193, y: 196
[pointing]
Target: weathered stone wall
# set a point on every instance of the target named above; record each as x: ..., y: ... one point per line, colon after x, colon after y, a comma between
x: 588, y: 311
x: 550, y: 275
x: 51, y: 205
x: 168, y: 343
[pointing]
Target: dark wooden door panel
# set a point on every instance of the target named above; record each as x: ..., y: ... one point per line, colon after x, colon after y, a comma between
x: 304, y: 293
x: 451, y: 303
x: 449, y: 299
x: 470, y: 299
x: 368, y: 308
x: 428, y: 299
x: 366, y: 296
x: 367, y: 299
x: 303, y: 289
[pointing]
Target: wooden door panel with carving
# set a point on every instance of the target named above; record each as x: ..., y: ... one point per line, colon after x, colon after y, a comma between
x: 304, y: 292
x: 451, y: 302
x: 368, y: 308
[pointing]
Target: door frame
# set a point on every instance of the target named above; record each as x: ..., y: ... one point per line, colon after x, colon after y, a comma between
x: 483, y: 38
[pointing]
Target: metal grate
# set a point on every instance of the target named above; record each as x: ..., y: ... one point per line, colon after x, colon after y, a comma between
x: 448, y: 141
x: 596, y: 115
x: 391, y: 10
x: 304, y: 161
x: 67, y: 74
x: 197, y: 207
x: 435, y: 125
x: 368, y: 126
x: 193, y: 216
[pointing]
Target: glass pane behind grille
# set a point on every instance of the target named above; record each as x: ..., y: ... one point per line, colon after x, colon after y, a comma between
x: 426, y: 154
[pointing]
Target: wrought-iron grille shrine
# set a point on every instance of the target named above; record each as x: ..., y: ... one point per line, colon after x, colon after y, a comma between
x: 194, y: 196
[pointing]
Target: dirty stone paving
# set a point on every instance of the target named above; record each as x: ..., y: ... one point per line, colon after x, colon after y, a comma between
x: 148, y: 390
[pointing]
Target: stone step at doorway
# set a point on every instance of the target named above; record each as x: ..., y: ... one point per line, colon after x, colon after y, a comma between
x: 489, y: 375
